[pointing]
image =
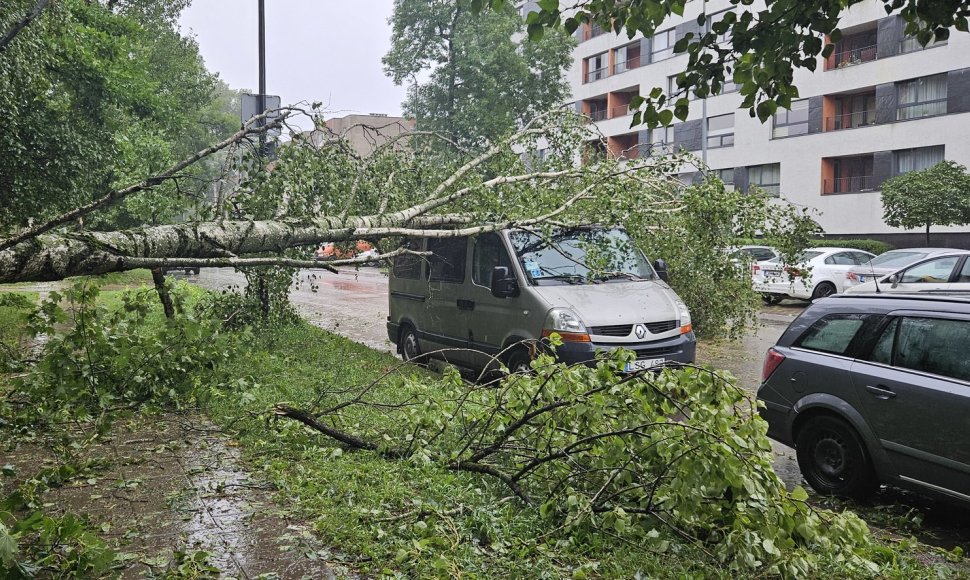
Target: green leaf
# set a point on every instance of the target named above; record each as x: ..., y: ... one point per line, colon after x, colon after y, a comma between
x: 8, y: 547
x: 799, y: 493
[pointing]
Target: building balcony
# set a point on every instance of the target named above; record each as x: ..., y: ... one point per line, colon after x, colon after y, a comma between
x: 852, y: 57
x: 851, y: 184
x: 598, y: 74
x: 850, y: 120
x: 598, y: 115
x: 620, y: 111
x: 629, y: 64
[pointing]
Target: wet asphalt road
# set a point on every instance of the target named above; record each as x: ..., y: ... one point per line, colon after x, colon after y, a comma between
x: 353, y: 303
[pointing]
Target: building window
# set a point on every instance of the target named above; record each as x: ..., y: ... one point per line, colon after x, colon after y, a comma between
x: 720, y: 131
x: 788, y: 123
x: 711, y: 19
x: 627, y: 57
x: 674, y: 92
x: 727, y: 176
x: 910, y: 44
x: 767, y: 177
x: 662, y: 45
x: 597, y: 67
x: 917, y: 159
x: 921, y: 97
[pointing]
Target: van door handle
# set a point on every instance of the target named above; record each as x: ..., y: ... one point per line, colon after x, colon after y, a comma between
x: 466, y: 304
x: 881, y: 392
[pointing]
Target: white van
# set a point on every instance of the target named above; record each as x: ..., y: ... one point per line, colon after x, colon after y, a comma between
x: 478, y: 298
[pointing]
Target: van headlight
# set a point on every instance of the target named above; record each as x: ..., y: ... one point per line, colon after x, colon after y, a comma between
x: 566, y: 324
x: 685, y: 325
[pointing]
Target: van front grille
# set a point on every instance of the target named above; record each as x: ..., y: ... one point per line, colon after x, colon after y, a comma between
x: 626, y: 329
x: 615, y: 330
x: 663, y: 326
x: 657, y: 352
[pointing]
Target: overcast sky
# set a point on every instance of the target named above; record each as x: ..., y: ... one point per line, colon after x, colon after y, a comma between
x: 316, y: 50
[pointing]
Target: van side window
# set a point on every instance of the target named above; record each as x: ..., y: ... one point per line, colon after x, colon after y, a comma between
x: 934, y: 345
x: 408, y: 265
x: 882, y: 352
x: 447, y: 261
x: 487, y: 254
x: 832, y: 334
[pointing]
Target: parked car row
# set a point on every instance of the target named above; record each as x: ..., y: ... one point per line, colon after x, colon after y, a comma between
x: 820, y: 272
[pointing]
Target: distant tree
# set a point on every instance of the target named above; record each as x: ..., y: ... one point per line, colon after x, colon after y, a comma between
x: 96, y: 95
x: 485, y: 76
x: 938, y: 196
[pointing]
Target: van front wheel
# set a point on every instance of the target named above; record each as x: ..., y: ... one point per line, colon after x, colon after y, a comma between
x: 407, y: 344
x: 519, y: 361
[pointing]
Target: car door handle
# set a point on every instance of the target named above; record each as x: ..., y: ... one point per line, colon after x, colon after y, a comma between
x: 466, y: 304
x: 881, y: 392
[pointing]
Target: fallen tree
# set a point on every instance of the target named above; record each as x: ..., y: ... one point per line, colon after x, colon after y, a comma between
x: 639, y: 457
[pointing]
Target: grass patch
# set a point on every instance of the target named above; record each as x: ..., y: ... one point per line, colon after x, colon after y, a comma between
x: 397, y: 515
x: 416, y: 519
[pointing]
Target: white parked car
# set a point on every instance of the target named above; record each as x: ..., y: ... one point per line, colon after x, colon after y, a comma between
x: 947, y: 273
x: 816, y: 273
x: 888, y: 262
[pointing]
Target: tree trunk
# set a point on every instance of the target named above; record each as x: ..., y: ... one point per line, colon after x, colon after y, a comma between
x: 927, y: 234
x: 57, y: 256
x: 159, y: 279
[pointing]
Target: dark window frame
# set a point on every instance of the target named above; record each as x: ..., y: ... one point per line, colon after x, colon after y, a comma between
x: 775, y: 124
x: 457, y: 276
x: 852, y: 346
x: 920, y: 103
x: 408, y: 266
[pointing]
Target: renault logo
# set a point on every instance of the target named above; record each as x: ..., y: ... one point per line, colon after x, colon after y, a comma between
x: 640, y: 330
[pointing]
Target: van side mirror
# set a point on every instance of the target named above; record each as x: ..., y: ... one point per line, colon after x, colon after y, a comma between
x: 503, y: 283
x: 661, y: 267
x: 894, y: 280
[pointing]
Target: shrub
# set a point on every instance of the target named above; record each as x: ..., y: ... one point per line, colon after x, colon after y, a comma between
x: 872, y: 246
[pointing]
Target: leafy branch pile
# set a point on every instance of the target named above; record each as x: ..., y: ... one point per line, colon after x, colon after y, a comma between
x: 674, y: 461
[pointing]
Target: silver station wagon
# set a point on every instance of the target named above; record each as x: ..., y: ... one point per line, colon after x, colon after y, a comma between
x: 874, y: 388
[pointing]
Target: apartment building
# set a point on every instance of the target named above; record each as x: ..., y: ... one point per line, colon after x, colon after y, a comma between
x: 879, y: 106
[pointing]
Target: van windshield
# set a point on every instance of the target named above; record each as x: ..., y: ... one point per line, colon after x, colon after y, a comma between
x: 580, y: 255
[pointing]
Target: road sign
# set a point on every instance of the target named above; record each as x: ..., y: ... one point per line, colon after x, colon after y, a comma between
x: 250, y: 108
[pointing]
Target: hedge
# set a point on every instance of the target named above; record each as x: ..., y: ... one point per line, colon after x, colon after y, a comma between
x: 872, y: 246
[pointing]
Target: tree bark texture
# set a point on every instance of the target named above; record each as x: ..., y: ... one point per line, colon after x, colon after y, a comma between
x: 58, y: 256
x: 166, y: 299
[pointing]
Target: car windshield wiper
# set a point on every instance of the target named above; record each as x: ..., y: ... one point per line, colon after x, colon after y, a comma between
x: 615, y: 275
x: 571, y: 278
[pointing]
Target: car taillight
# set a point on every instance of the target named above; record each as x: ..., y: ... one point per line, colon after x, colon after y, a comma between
x: 773, y: 358
x: 755, y: 269
x: 851, y: 276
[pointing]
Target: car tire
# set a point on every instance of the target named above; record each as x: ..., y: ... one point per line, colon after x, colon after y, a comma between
x: 833, y: 458
x: 823, y: 290
x: 770, y: 299
x: 408, y: 345
x: 196, y: 271
x: 519, y: 361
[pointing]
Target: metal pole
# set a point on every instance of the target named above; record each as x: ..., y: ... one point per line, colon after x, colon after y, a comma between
x: 707, y: 25
x: 261, y: 96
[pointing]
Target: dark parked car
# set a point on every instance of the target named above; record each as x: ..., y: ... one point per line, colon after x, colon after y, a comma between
x: 872, y: 388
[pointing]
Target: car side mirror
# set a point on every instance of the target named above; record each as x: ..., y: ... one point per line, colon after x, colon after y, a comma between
x: 894, y: 280
x: 661, y: 268
x: 503, y: 283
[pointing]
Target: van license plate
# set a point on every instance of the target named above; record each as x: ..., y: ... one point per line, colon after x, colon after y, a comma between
x: 643, y: 364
